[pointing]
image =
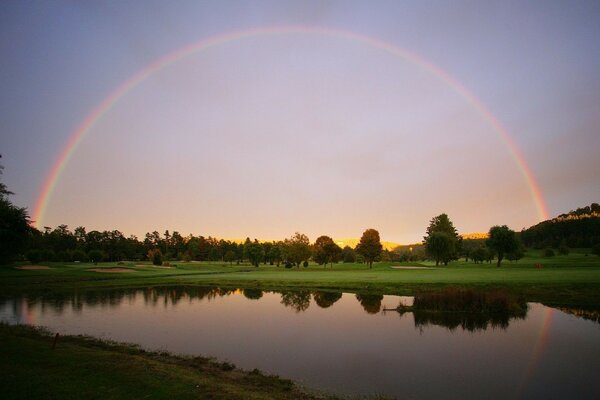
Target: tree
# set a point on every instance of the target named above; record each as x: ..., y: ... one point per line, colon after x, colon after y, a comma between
x: 155, y: 255
x: 14, y: 226
x: 326, y: 251
x: 441, y: 246
x: 369, y: 246
x: 254, y: 252
x: 95, y: 256
x: 297, y: 249
x: 348, y: 254
x: 479, y: 254
x: 443, y: 249
x: 275, y: 253
x: 502, y: 240
x: 229, y: 257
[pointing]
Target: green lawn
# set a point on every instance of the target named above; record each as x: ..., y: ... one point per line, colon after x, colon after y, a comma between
x: 571, y: 280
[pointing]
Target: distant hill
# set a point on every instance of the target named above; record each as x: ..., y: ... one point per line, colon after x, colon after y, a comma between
x: 578, y: 228
x: 354, y: 241
x: 474, y: 236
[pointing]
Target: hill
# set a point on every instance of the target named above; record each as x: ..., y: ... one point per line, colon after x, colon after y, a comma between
x: 578, y: 228
x: 354, y: 241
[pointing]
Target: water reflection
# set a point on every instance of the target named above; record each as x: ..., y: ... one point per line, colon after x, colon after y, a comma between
x: 589, y: 314
x: 344, y: 342
x: 371, y: 303
x: 326, y: 299
x: 298, y: 301
x: 253, y: 294
x: 451, y: 309
x: 470, y: 309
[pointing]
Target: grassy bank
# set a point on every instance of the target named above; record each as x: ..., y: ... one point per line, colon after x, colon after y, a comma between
x: 86, y: 368
x: 571, y: 280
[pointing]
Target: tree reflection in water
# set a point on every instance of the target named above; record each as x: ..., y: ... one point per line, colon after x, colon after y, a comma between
x: 326, y: 299
x: 371, y: 303
x: 452, y: 308
x: 297, y: 300
x: 253, y: 294
x: 469, y: 309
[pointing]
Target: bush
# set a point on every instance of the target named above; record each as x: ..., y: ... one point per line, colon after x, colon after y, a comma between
x: 288, y: 264
x: 78, y: 255
x: 548, y: 253
x: 596, y: 249
x: 155, y: 255
x: 34, y: 256
x: 47, y: 255
x: 305, y: 264
x: 563, y: 249
x: 95, y: 256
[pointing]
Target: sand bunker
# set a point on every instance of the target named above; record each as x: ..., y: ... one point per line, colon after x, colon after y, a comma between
x: 118, y: 270
x: 153, y: 266
x: 410, y: 267
x: 32, y: 267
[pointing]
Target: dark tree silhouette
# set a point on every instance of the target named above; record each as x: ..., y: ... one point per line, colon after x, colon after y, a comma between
x: 369, y: 246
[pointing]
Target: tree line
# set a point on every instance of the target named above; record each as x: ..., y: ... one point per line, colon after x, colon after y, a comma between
x: 19, y: 240
x: 441, y: 244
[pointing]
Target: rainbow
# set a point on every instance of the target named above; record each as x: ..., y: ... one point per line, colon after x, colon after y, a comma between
x: 537, y: 352
x: 109, y: 102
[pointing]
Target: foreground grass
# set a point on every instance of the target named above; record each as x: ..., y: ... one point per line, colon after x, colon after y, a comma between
x: 571, y: 280
x: 86, y: 368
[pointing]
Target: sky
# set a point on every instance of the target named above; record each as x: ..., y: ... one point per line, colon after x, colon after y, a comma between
x: 363, y: 115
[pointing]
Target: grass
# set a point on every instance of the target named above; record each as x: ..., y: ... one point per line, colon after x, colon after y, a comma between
x: 567, y: 280
x: 85, y: 368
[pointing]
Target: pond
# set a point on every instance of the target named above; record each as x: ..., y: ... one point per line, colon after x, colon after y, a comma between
x: 343, y: 343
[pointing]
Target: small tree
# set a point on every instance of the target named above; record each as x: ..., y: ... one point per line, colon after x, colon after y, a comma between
x: 548, y: 252
x: 155, y: 255
x: 369, y: 246
x: 348, y: 254
x: 596, y: 249
x: 95, y: 256
x: 229, y: 257
x: 479, y: 254
x: 297, y: 249
x: 441, y: 247
x: 502, y: 240
x: 326, y: 251
x: 254, y: 252
x: 563, y: 248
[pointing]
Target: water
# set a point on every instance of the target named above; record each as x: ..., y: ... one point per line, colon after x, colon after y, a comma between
x: 342, y: 342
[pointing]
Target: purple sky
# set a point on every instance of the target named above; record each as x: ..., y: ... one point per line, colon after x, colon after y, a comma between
x: 264, y: 136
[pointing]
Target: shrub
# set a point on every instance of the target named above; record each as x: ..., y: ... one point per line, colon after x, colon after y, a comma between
x: 155, y: 255
x: 78, y: 255
x: 95, y: 256
x: 563, y: 249
x: 305, y: 264
x: 34, y: 256
x: 548, y: 252
x: 596, y: 249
